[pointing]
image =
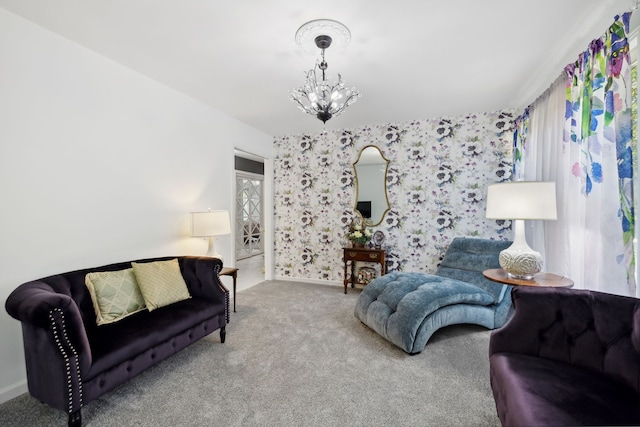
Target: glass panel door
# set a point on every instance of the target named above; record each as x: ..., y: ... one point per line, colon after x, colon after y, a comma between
x: 248, y: 222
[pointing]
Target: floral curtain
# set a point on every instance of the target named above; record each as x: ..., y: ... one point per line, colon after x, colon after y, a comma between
x: 587, y: 150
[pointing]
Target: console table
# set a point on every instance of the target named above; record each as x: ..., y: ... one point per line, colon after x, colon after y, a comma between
x: 351, y: 255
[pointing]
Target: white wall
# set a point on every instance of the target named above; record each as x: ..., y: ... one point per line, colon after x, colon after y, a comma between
x: 98, y: 164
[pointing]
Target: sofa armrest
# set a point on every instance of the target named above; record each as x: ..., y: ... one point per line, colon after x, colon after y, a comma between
x: 44, y: 312
x: 201, y: 276
x: 590, y: 329
x: 520, y: 333
x: 33, y: 301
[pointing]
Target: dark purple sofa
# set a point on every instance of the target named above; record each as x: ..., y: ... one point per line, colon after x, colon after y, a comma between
x: 71, y: 361
x: 566, y: 358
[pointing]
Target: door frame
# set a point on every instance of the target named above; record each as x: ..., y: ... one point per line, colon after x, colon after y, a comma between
x: 268, y: 209
x: 250, y: 176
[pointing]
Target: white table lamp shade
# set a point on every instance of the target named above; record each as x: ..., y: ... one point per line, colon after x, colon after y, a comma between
x: 519, y: 201
x: 522, y: 200
x: 210, y: 224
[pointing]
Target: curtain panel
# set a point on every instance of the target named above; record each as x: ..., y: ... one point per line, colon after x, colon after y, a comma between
x: 578, y: 134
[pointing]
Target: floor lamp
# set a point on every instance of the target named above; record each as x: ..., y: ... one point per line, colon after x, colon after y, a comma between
x: 209, y: 225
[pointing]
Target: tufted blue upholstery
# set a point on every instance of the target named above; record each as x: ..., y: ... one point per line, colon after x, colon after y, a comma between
x: 567, y: 357
x: 466, y: 259
x: 407, y: 308
x: 71, y: 361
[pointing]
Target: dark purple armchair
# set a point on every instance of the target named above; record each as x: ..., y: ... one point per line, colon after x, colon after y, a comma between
x: 567, y: 357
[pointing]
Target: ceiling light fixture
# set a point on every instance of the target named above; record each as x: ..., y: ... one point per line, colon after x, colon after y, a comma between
x: 320, y: 98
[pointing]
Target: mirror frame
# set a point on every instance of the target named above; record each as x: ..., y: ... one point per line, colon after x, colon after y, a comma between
x: 366, y: 222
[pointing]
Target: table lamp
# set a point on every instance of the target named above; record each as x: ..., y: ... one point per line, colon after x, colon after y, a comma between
x: 519, y: 201
x: 210, y: 224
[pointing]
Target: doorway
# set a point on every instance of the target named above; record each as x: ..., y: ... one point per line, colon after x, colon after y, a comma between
x: 249, y: 217
x: 248, y: 221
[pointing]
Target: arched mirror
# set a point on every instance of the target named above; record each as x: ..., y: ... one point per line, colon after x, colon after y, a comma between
x: 371, y: 185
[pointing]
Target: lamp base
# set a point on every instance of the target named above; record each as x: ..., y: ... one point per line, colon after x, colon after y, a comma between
x: 520, y: 276
x: 522, y: 265
x: 212, y: 252
x: 519, y: 260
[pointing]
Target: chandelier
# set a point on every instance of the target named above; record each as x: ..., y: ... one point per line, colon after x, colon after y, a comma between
x: 319, y: 97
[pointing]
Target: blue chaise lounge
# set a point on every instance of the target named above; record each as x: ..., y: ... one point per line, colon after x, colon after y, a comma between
x: 407, y: 308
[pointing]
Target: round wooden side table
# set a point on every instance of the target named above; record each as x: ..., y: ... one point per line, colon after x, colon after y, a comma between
x: 540, y: 279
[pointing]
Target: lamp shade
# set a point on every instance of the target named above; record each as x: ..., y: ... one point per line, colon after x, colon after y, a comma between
x: 522, y: 200
x: 212, y: 223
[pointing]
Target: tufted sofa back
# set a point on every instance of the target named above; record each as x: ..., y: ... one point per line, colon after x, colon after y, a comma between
x: 585, y: 328
x: 72, y: 284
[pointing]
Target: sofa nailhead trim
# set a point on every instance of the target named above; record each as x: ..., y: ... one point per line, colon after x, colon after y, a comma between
x: 67, y: 360
x: 216, y: 271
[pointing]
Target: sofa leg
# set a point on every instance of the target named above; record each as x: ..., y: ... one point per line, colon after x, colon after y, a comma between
x: 223, y: 334
x: 75, y: 419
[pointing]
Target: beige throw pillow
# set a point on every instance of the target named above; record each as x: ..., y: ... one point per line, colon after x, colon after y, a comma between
x: 160, y: 283
x: 115, y: 295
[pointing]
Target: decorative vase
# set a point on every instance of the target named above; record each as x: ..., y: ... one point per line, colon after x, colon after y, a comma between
x: 357, y: 245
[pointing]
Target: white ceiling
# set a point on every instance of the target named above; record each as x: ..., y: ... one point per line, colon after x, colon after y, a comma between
x: 409, y: 59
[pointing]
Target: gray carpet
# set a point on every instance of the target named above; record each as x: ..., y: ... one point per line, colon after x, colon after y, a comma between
x: 296, y: 356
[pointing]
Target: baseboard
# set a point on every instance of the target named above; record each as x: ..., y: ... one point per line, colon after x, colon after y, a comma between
x: 314, y: 281
x: 13, y: 390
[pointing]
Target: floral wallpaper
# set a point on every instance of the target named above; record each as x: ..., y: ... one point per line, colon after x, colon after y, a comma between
x: 436, y: 184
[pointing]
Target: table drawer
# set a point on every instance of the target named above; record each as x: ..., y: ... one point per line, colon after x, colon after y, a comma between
x: 363, y: 256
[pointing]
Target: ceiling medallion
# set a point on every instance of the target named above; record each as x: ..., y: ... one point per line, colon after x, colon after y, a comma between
x: 321, y: 98
x: 307, y: 33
